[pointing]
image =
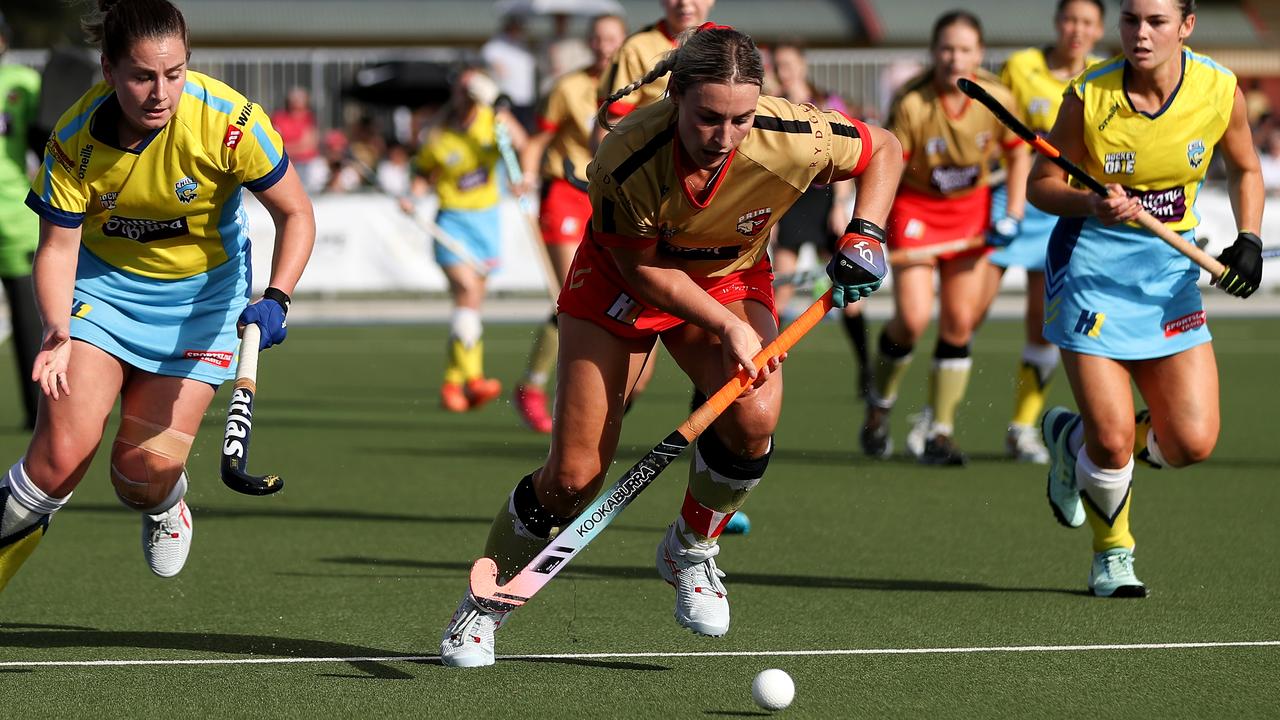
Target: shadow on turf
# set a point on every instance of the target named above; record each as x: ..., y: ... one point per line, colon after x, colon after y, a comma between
x: 735, y: 578
x: 17, y: 635
x: 738, y: 713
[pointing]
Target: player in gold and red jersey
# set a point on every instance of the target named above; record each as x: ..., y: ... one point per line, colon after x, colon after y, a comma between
x: 684, y: 193
x: 950, y: 143
x: 642, y: 51
x: 559, y: 153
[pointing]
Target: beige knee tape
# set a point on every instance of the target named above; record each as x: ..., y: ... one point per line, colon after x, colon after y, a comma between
x: 147, y: 463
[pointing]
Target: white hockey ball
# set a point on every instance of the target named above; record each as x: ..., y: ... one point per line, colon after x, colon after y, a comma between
x: 773, y: 689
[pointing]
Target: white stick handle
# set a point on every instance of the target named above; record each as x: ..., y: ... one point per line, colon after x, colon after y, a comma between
x: 247, y: 369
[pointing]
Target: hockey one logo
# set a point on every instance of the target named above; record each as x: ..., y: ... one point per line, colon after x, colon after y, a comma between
x: 1120, y: 163
x: 235, y: 445
x: 108, y: 200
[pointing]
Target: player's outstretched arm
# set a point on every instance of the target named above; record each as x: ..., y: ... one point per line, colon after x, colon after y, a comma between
x: 54, y: 271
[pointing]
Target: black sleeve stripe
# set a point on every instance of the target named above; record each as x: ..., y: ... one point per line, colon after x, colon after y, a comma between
x: 607, y: 222
x: 643, y: 155
x: 848, y: 131
x: 765, y: 122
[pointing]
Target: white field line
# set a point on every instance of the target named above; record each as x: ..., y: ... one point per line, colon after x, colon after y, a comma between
x: 657, y: 655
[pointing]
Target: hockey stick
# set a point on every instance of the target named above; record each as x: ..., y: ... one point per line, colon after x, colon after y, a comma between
x: 235, y: 440
x: 1042, y: 146
x: 516, y: 175
x: 485, y: 589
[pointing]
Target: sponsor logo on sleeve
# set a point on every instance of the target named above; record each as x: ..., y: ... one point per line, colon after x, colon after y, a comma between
x: 86, y: 154
x: 232, y: 138
x: 1186, y: 323
x: 245, y: 113
x: 142, y: 230
x: 108, y: 200
x: 59, y: 154
x: 220, y: 358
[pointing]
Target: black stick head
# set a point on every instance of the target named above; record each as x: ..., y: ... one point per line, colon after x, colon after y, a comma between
x: 246, y: 484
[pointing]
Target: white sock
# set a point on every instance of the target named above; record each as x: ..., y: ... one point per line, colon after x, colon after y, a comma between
x: 1154, y: 456
x: 26, y: 504
x: 1044, y: 358
x: 177, y: 493
x: 1106, y: 488
x: 465, y: 325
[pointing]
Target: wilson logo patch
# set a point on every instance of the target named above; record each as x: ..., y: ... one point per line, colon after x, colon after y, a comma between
x: 232, y: 138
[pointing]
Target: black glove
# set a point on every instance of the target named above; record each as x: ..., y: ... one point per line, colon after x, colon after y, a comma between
x: 858, y: 266
x: 1244, y: 266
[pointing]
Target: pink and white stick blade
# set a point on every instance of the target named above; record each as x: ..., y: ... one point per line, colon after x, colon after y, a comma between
x: 485, y: 589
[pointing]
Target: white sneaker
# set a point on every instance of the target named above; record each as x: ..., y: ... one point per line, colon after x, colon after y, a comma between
x: 166, y: 539
x: 921, y: 423
x: 468, y: 638
x: 1024, y: 445
x: 702, y: 602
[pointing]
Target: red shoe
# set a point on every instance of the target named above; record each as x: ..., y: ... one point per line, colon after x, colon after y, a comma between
x: 481, y: 390
x: 531, y: 404
x: 453, y: 398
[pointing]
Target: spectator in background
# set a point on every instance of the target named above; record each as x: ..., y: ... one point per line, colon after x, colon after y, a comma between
x: 394, y: 172
x: 821, y: 213
x: 561, y: 53
x: 514, y: 68
x: 19, y: 227
x: 367, y: 146
x: 1270, y: 158
x: 297, y: 127
x: 332, y: 171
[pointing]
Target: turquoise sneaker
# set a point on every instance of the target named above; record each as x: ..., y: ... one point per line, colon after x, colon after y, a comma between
x: 1064, y: 497
x: 1112, y: 575
x: 739, y: 524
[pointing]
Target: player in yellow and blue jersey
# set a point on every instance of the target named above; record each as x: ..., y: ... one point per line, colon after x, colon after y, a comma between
x: 142, y: 276
x: 1123, y: 306
x: 460, y: 158
x: 1037, y: 77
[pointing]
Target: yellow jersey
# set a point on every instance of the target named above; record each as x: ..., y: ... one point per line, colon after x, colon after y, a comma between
x: 463, y: 162
x: 569, y: 113
x: 1160, y: 158
x: 639, y: 196
x: 637, y: 56
x: 169, y: 208
x: 948, y: 156
x: 1037, y: 92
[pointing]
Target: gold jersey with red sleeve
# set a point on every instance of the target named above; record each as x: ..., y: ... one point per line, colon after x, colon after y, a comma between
x: 638, y: 55
x: 1162, y: 157
x: 639, y: 196
x: 568, y: 112
x: 948, y: 155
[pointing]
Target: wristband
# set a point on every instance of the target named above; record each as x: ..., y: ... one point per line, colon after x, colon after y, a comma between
x: 858, y: 226
x: 279, y: 296
x: 1246, y: 235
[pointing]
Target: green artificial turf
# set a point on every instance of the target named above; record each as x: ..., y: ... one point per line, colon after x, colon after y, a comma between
x: 388, y: 500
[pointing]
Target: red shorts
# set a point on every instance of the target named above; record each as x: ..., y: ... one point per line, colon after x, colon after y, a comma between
x: 565, y: 212
x: 596, y: 292
x: 919, y: 220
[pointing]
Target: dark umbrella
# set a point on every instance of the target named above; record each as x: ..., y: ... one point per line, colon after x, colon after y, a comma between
x: 409, y: 83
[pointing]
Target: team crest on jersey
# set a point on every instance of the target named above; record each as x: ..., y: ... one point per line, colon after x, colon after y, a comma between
x: 983, y: 139
x: 185, y: 189
x: 1039, y: 106
x: 935, y: 146
x: 753, y: 222
x: 108, y: 200
x: 1195, y: 153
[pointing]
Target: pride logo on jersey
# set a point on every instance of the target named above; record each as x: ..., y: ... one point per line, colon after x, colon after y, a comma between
x: 753, y: 222
x: 185, y: 189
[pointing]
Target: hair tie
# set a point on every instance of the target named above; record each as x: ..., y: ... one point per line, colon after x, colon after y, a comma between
x: 713, y: 26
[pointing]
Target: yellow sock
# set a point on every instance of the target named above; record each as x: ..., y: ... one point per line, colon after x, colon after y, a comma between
x: 14, y: 554
x: 947, y: 385
x: 1110, y: 533
x: 464, y: 363
x: 542, y: 358
x: 1028, y: 395
x: 888, y: 376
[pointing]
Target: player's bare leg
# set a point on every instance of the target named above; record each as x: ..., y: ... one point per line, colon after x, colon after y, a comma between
x: 530, y: 398
x: 962, y: 285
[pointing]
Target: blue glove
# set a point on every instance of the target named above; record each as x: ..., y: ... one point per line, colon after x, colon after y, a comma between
x: 1003, y: 231
x: 858, y: 267
x: 268, y: 314
x: 1244, y: 266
